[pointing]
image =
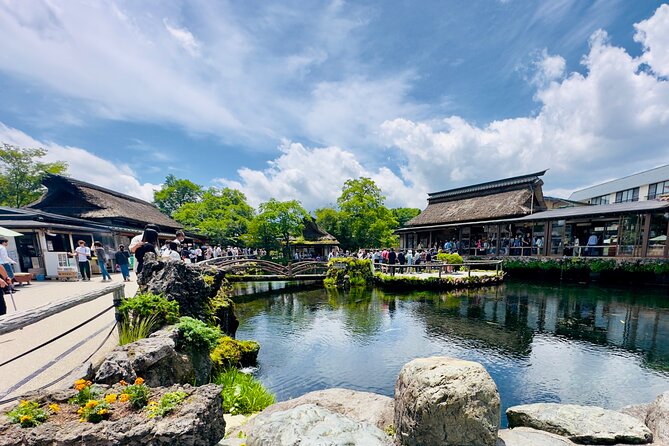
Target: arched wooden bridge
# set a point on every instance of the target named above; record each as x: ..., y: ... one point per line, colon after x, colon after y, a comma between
x: 303, y: 269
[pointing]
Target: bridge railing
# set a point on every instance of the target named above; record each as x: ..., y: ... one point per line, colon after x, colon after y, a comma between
x: 440, y: 267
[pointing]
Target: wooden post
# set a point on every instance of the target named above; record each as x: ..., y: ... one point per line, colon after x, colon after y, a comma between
x: 119, y: 295
x: 646, y: 234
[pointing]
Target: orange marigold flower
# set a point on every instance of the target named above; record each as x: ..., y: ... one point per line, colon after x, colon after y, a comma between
x: 123, y: 383
x: 91, y: 404
x: 124, y: 397
x: 80, y: 411
x: 139, y: 381
x: 25, y: 418
x: 102, y: 412
x: 55, y: 408
x: 111, y: 398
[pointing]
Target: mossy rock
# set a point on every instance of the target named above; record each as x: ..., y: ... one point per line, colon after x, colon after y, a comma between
x: 233, y: 353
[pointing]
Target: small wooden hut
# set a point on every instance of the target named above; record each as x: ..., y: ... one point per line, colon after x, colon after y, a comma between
x: 314, y: 243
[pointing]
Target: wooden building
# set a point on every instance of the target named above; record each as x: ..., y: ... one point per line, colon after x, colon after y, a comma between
x: 510, y: 217
x: 314, y: 243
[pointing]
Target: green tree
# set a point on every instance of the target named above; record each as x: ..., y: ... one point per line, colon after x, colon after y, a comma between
x: 364, y: 214
x: 278, y: 220
x: 223, y: 215
x: 21, y: 174
x: 403, y: 215
x: 176, y: 192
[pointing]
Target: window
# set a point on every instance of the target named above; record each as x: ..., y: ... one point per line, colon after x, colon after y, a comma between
x: 604, y: 199
x: 657, y: 189
x: 627, y: 195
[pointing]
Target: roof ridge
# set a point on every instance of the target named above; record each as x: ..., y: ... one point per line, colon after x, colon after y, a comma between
x: 80, y: 183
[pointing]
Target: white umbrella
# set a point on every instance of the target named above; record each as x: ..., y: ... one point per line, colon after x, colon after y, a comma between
x: 9, y: 233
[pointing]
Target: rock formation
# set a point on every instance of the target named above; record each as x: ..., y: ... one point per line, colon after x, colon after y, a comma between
x: 445, y: 401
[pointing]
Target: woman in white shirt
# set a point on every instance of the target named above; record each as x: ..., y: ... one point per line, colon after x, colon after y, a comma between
x: 171, y: 252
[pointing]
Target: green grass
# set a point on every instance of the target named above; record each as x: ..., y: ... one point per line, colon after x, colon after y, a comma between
x: 242, y: 393
x: 139, y: 328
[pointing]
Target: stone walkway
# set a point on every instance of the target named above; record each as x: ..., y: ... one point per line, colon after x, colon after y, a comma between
x: 17, y: 377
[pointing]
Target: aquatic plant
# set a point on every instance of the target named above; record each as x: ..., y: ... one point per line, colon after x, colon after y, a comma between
x: 242, y: 393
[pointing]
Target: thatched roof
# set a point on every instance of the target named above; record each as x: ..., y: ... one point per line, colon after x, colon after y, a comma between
x: 509, y: 197
x: 312, y: 234
x: 67, y: 196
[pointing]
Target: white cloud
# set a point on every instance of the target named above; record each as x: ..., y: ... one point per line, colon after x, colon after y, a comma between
x: 85, y: 166
x: 315, y: 176
x: 185, y: 39
x: 608, y: 122
x: 653, y: 34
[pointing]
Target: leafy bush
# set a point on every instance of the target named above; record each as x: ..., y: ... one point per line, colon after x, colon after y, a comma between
x: 242, y: 393
x: 94, y: 411
x: 137, y: 394
x: 196, y: 335
x: 144, y: 305
x: 449, y: 258
x: 359, y: 272
x: 167, y: 404
x: 28, y: 414
x: 139, y: 328
x: 232, y: 353
x: 85, y: 392
x: 445, y: 282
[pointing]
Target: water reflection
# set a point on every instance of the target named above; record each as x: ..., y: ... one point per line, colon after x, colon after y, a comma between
x: 576, y: 344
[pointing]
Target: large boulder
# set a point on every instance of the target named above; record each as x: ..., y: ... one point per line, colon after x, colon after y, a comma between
x: 446, y: 401
x: 309, y: 424
x: 657, y: 418
x: 363, y: 407
x: 154, y: 358
x: 196, y: 288
x: 524, y: 436
x: 197, y: 422
x: 581, y: 424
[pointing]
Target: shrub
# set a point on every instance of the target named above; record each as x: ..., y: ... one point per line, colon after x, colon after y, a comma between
x: 85, y: 392
x: 94, y: 411
x: 449, y: 258
x: 139, y: 328
x: 144, y: 305
x: 196, y: 335
x: 137, y: 394
x: 28, y: 414
x: 167, y: 403
x: 359, y: 271
x: 232, y: 353
x: 242, y: 393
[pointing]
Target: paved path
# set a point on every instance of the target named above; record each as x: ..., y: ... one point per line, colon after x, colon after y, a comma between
x: 39, y: 293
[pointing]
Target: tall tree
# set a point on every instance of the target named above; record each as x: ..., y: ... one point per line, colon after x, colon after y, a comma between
x: 403, y: 215
x: 21, y: 174
x: 279, y: 220
x: 223, y: 215
x: 363, y: 212
x: 176, y: 192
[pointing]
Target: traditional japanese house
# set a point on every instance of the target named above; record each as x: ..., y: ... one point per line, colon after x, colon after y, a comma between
x: 314, y: 243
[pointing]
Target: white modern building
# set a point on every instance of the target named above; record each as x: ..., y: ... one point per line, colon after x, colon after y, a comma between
x: 641, y: 186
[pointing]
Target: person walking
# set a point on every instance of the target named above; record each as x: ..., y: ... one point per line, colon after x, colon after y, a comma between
x: 102, y: 261
x: 83, y: 255
x: 122, y: 260
x: 7, y: 262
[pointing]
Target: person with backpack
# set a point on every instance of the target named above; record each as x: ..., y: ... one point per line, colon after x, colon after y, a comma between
x: 102, y: 261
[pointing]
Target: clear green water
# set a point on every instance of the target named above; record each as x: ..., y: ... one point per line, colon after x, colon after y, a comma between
x: 575, y: 344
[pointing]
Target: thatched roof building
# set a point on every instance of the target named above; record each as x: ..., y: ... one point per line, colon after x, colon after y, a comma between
x: 506, y: 198
x: 314, y: 241
x: 74, y: 198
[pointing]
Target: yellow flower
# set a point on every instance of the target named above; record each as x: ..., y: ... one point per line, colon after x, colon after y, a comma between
x: 81, y: 420
x: 81, y: 384
x: 152, y: 403
x: 123, y: 383
x: 139, y: 381
x: 91, y: 404
x: 55, y: 408
x: 25, y: 418
x: 102, y: 411
x: 24, y: 403
x: 80, y: 411
x: 111, y: 398
x: 124, y: 397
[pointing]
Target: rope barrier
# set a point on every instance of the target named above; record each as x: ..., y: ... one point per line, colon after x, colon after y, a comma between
x: 57, y: 337
x: 59, y: 357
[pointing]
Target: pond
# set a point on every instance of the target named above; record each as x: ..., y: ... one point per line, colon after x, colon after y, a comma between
x: 580, y: 344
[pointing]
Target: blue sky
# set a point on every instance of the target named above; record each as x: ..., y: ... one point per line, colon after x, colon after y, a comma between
x: 290, y: 99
